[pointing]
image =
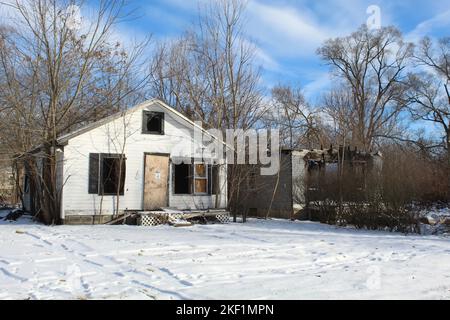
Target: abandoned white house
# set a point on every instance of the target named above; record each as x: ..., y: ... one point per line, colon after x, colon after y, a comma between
x: 305, y: 176
x: 146, y: 156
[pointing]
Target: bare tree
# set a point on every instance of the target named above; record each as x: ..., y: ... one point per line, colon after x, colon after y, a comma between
x: 372, y: 65
x: 60, y: 77
x: 297, y: 121
x: 210, y: 75
x: 337, y: 105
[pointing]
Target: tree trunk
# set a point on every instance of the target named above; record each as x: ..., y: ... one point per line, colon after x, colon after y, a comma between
x: 48, y: 199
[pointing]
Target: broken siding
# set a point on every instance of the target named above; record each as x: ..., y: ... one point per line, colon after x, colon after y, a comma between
x: 108, y: 138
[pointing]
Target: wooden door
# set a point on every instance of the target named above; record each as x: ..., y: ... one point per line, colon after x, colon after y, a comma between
x: 156, y: 181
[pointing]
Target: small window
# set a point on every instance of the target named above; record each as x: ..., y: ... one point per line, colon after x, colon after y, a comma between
x: 153, y: 122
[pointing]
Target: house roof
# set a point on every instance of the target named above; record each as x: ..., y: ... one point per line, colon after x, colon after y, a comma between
x: 65, y: 138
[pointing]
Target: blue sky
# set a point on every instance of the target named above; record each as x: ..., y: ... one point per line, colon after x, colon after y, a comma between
x: 288, y: 32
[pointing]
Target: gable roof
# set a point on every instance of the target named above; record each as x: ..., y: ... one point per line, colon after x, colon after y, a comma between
x: 65, y: 138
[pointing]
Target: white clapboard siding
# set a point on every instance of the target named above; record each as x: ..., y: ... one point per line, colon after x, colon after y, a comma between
x: 108, y: 138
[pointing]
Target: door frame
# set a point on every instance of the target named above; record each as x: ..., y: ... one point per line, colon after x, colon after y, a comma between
x: 143, y: 175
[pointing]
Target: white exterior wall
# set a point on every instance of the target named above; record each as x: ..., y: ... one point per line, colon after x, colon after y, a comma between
x: 108, y: 138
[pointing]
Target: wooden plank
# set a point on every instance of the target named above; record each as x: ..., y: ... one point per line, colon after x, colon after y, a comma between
x: 178, y: 222
x: 121, y: 218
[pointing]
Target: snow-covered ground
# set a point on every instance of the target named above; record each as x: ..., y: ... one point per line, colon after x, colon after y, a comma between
x: 257, y: 260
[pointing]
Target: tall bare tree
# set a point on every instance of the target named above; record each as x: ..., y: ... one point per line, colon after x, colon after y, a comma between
x: 211, y: 75
x: 430, y: 89
x: 372, y: 65
x: 61, y: 74
x: 337, y: 105
x: 299, y: 124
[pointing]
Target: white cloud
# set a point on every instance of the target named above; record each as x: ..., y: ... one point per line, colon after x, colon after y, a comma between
x: 284, y: 29
x: 313, y: 89
x: 297, y: 31
x: 8, y: 13
x: 264, y: 59
x: 426, y: 27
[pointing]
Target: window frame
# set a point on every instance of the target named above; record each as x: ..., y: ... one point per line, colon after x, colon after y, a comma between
x: 189, y: 177
x: 145, y: 118
x: 99, y: 158
x: 209, y: 178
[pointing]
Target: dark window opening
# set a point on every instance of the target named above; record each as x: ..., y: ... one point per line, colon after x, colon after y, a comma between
x: 107, y: 174
x: 182, y: 179
x: 153, y: 122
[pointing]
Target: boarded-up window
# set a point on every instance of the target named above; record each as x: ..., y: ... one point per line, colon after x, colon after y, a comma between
x: 200, y: 178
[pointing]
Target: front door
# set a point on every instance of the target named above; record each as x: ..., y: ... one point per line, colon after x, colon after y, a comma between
x: 156, y: 175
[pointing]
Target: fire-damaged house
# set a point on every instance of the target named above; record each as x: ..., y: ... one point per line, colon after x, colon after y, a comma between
x: 137, y: 160
x: 306, y: 177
